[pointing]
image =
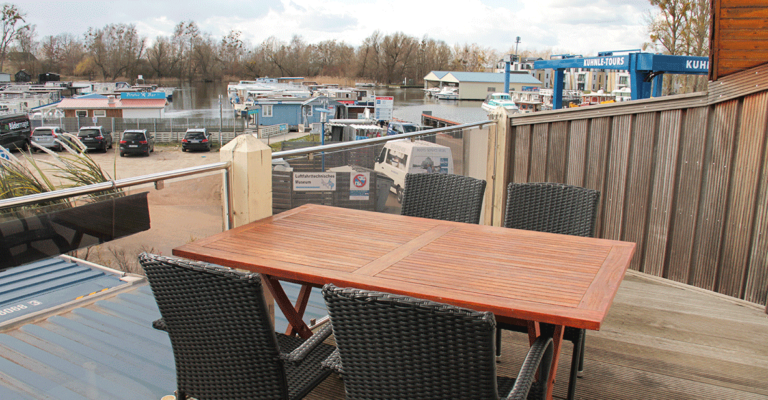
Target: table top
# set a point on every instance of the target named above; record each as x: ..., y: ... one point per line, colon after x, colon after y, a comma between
x: 516, y: 274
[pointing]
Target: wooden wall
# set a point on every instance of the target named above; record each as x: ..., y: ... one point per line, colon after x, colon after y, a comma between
x: 739, y: 36
x: 685, y: 177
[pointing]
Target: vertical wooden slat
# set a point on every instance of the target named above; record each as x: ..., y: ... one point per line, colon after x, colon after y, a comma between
x: 617, y: 177
x: 577, y: 152
x: 558, y: 152
x: 522, y: 139
x: 660, y: 212
x: 690, y: 164
x: 714, y: 194
x: 597, y: 158
x: 539, y: 146
x: 746, y: 173
x: 756, y: 290
x: 639, y: 183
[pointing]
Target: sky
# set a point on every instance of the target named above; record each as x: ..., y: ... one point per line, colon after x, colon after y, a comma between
x: 575, y: 26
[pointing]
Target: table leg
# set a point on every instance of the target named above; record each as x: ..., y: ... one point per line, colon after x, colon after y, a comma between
x: 293, y: 317
x: 300, y: 306
x: 557, y: 339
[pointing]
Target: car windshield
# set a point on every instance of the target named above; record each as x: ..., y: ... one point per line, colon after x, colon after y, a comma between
x: 195, y: 135
x: 88, y: 133
x: 42, y: 132
x: 410, y: 128
x: 133, y: 136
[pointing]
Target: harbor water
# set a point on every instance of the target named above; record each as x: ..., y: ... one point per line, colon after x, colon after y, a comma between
x: 202, y: 100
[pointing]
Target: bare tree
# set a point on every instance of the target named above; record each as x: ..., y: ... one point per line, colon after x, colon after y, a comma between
x: 115, y: 49
x: 231, y: 53
x: 163, y: 57
x: 26, y: 49
x: 11, y: 19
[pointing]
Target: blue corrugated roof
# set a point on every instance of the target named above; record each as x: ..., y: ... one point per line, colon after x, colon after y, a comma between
x: 105, y: 348
x: 48, y: 283
x: 493, y: 77
x: 440, y: 74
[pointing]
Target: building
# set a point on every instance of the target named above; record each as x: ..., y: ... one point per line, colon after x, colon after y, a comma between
x: 128, y: 105
x: 297, y: 111
x: 23, y: 76
x: 477, y: 85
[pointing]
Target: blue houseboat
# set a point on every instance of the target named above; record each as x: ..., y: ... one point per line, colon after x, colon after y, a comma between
x: 298, y: 111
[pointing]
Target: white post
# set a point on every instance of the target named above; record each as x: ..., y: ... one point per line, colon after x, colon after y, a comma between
x: 250, y: 182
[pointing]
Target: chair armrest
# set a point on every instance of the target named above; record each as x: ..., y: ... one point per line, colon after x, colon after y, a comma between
x: 160, y: 325
x: 310, y: 344
x: 333, y: 362
x: 539, y: 358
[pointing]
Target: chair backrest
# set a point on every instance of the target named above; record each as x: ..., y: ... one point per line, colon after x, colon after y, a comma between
x: 395, y: 347
x: 443, y: 196
x: 552, y: 207
x: 223, y: 342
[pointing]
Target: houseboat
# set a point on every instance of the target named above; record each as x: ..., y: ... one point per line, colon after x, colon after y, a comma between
x: 495, y: 101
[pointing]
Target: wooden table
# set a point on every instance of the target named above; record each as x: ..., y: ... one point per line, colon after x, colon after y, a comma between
x: 521, y: 276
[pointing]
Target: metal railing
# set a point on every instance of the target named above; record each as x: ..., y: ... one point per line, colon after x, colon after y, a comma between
x: 122, y: 183
x: 372, y: 141
x: 161, y: 176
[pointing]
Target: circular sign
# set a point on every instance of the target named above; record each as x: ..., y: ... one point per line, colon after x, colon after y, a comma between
x: 359, y: 180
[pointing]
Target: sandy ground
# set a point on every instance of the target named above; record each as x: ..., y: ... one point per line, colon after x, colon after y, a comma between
x: 185, y: 209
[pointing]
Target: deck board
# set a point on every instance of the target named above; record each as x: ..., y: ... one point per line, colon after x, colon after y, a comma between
x: 660, y: 340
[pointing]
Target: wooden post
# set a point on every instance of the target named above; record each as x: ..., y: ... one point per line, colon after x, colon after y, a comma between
x: 499, y: 147
x: 250, y: 182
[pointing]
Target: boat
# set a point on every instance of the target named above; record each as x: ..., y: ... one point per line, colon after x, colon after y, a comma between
x: 431, y: 91
x: 447, y: 93
x: 496, y: 100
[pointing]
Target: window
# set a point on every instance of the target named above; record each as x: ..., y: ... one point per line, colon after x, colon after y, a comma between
x: 623, y: 80
x: 266, y: 111
x: 491, y: 89
x: 81, y: 113
x: 397, y: 162
x: 100, y: 113
x: 310, y: 111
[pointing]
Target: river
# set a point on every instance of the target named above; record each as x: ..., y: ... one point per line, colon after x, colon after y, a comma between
x: 202, y: 100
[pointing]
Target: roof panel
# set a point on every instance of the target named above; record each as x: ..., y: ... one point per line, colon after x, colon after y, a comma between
x: 493, y: 77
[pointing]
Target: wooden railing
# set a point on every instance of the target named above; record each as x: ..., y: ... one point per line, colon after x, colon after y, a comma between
x: 685, y: 177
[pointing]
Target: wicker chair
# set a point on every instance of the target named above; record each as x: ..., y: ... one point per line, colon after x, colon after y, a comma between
x: 399, y: 347
x: 554, y: 208
x: 443, y: 196
x: 224, y: 344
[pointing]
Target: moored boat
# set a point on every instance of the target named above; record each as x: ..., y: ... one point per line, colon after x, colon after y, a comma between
x: 495, y: 100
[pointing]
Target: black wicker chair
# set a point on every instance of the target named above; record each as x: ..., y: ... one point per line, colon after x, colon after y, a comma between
x: 399, y: 347
x: 223, y: 342
x: 443, y: 196
x: 554, y: 208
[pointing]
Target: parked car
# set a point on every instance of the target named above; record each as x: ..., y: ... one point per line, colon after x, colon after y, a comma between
x: 15, y: 131
x: 95, y: 137
x: 196, y: 139
x: 137, y: 141
x: 397, y: 128
x: 46, y: 136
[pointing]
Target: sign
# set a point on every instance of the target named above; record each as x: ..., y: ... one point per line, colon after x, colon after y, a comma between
x: 359, y: 185
x: 383, y: 108
x: 4, y: 155
x: 314, y: 181
x: 95, y: 120
x: 254, y: 111
x: 142, y: 95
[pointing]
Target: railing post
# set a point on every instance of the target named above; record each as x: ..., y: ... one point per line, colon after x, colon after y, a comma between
x: 499, y: 147
x: 250, y: 185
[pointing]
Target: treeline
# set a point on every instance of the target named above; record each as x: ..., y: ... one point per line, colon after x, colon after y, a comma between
x: 118, y: 51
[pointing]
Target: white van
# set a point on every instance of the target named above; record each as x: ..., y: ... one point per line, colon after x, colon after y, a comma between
x: 400, y: 157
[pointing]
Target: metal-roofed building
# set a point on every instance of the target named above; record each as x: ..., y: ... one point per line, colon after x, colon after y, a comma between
x: 85, y: 332
x: 477, y: 85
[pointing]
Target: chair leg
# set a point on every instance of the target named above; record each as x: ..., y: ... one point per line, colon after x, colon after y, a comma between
x: 581, y: 360
x: 576, y: 360
x: 498, y: 343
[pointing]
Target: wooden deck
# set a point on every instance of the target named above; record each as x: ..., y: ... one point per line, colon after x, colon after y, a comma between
x: 661, y: 340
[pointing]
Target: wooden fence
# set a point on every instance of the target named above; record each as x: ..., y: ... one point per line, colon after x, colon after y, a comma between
x: 685, y: 177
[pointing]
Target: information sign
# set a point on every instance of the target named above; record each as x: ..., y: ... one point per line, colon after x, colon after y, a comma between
x: 359, y: 185
x: 383, y: 108
x: 143, y: 95
x: 314, y: 181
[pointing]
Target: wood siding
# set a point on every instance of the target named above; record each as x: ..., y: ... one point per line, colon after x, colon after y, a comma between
x: 739, y: 36
x: 684, y: 177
